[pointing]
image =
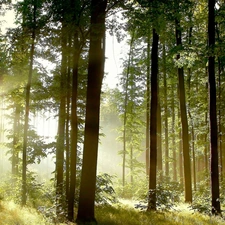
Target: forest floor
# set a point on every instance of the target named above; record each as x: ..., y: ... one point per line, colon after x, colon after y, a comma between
x: 119, y: 214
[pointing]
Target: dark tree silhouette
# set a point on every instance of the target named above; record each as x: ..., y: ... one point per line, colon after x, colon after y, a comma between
x: 153, y: 123
x: 212, y: 110
x: 95, y: 76
x: 184, y: 122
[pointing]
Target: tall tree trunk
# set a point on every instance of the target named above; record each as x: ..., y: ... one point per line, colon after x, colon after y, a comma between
x: 220, y: 106
x: 125, y: 112
x: 159, y: 143
x: 173, y: 136
x: 153, y: 123
x: 91, y: 136
x: 74, y: 127
x: 131, y: 167
x: 60, y: 204
x: 183, y: 111
x: 212, y: 110
x: 27, y: 109
x: 206, y: 148
x: 67, y: 127
x: 219, y: 121
x: 16, y: 129
x: 181, y: 169
x: 192, y: 129
x: 166, y: 115
x: 193, y: 150
x: 147, y: 106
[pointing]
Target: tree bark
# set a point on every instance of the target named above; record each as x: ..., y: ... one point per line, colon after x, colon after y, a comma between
x: 165, y: 114
x: 184, y: 122
x: 153, y: 123
x: 159, y: 143
x: 61, y: 125
x: 16, y: 129
x: 147, y: 144
x: 95, y: 75
x: 74, y: 130
x: 216, y: 210
x: 173, y: 136
x: 27, y: 109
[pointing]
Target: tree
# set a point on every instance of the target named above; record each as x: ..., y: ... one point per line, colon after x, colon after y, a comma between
x: 166, y: 114
x: 184, y: 121
x: 74, y: 118
x: 153, y: 122
x: 27, y: 104
x: 216, y: 210
x: 148, y: 105
x: 91, y: 136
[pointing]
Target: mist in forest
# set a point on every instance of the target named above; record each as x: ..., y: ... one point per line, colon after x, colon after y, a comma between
x: 109, y: 161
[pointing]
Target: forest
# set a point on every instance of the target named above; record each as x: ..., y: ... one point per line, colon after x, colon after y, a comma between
x: 76, y: 149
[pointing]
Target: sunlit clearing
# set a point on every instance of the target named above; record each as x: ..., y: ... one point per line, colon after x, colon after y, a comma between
x: 120, y: 215
x: 11, y: 213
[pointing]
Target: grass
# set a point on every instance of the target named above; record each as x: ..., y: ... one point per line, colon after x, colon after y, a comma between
x: 12, y: 214
x: 120, y: 214
x: 124, y: 215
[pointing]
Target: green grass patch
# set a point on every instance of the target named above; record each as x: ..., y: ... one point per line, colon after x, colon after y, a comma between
x: 124, y: 215
x: 119, y: 214
x: 11, y: 214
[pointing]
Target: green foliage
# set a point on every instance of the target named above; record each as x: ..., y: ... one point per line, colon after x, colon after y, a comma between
x: 137, y: 190
x: 168, y: 193
x: 38, y: 194
x: 105, y: 193
x: 202, y: 197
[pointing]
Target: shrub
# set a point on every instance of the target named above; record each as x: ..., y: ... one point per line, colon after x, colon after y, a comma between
x: 105, y: 193
x: 167, y: 195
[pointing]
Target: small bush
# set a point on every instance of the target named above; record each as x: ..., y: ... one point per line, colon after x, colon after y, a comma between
x: 167, y: 195
x: 105, y: 193
x: 202, y: 198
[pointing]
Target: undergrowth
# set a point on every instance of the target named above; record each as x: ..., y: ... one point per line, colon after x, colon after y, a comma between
x: 118, y: 214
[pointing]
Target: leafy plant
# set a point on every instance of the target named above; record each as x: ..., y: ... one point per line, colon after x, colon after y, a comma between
x: 167, y: 195
x: 105, y: 193
x: 202, y: 198
x: 38, y: 194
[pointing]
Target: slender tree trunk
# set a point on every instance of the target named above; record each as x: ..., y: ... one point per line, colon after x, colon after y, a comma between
x: 220, y: 106
x: 193, y: 152
x: 183, y: 111
x: 125, y: 112
x: 173, y: 136
x: 159, y: 143
x: 181, y: 169
x: 212, y: 111
x: 219, y: 121
x: 192, y: 130
x: 74, y: 127
x: 67, y: 128
x: 95, y: 76
x: 153, y: 123
x: 166, y: 114
x: 60, y: 204
x: 16, y: 130
x: 148, y: 105
x: 27, y: 109
x: 206, y: 148
x: 131, y: 167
